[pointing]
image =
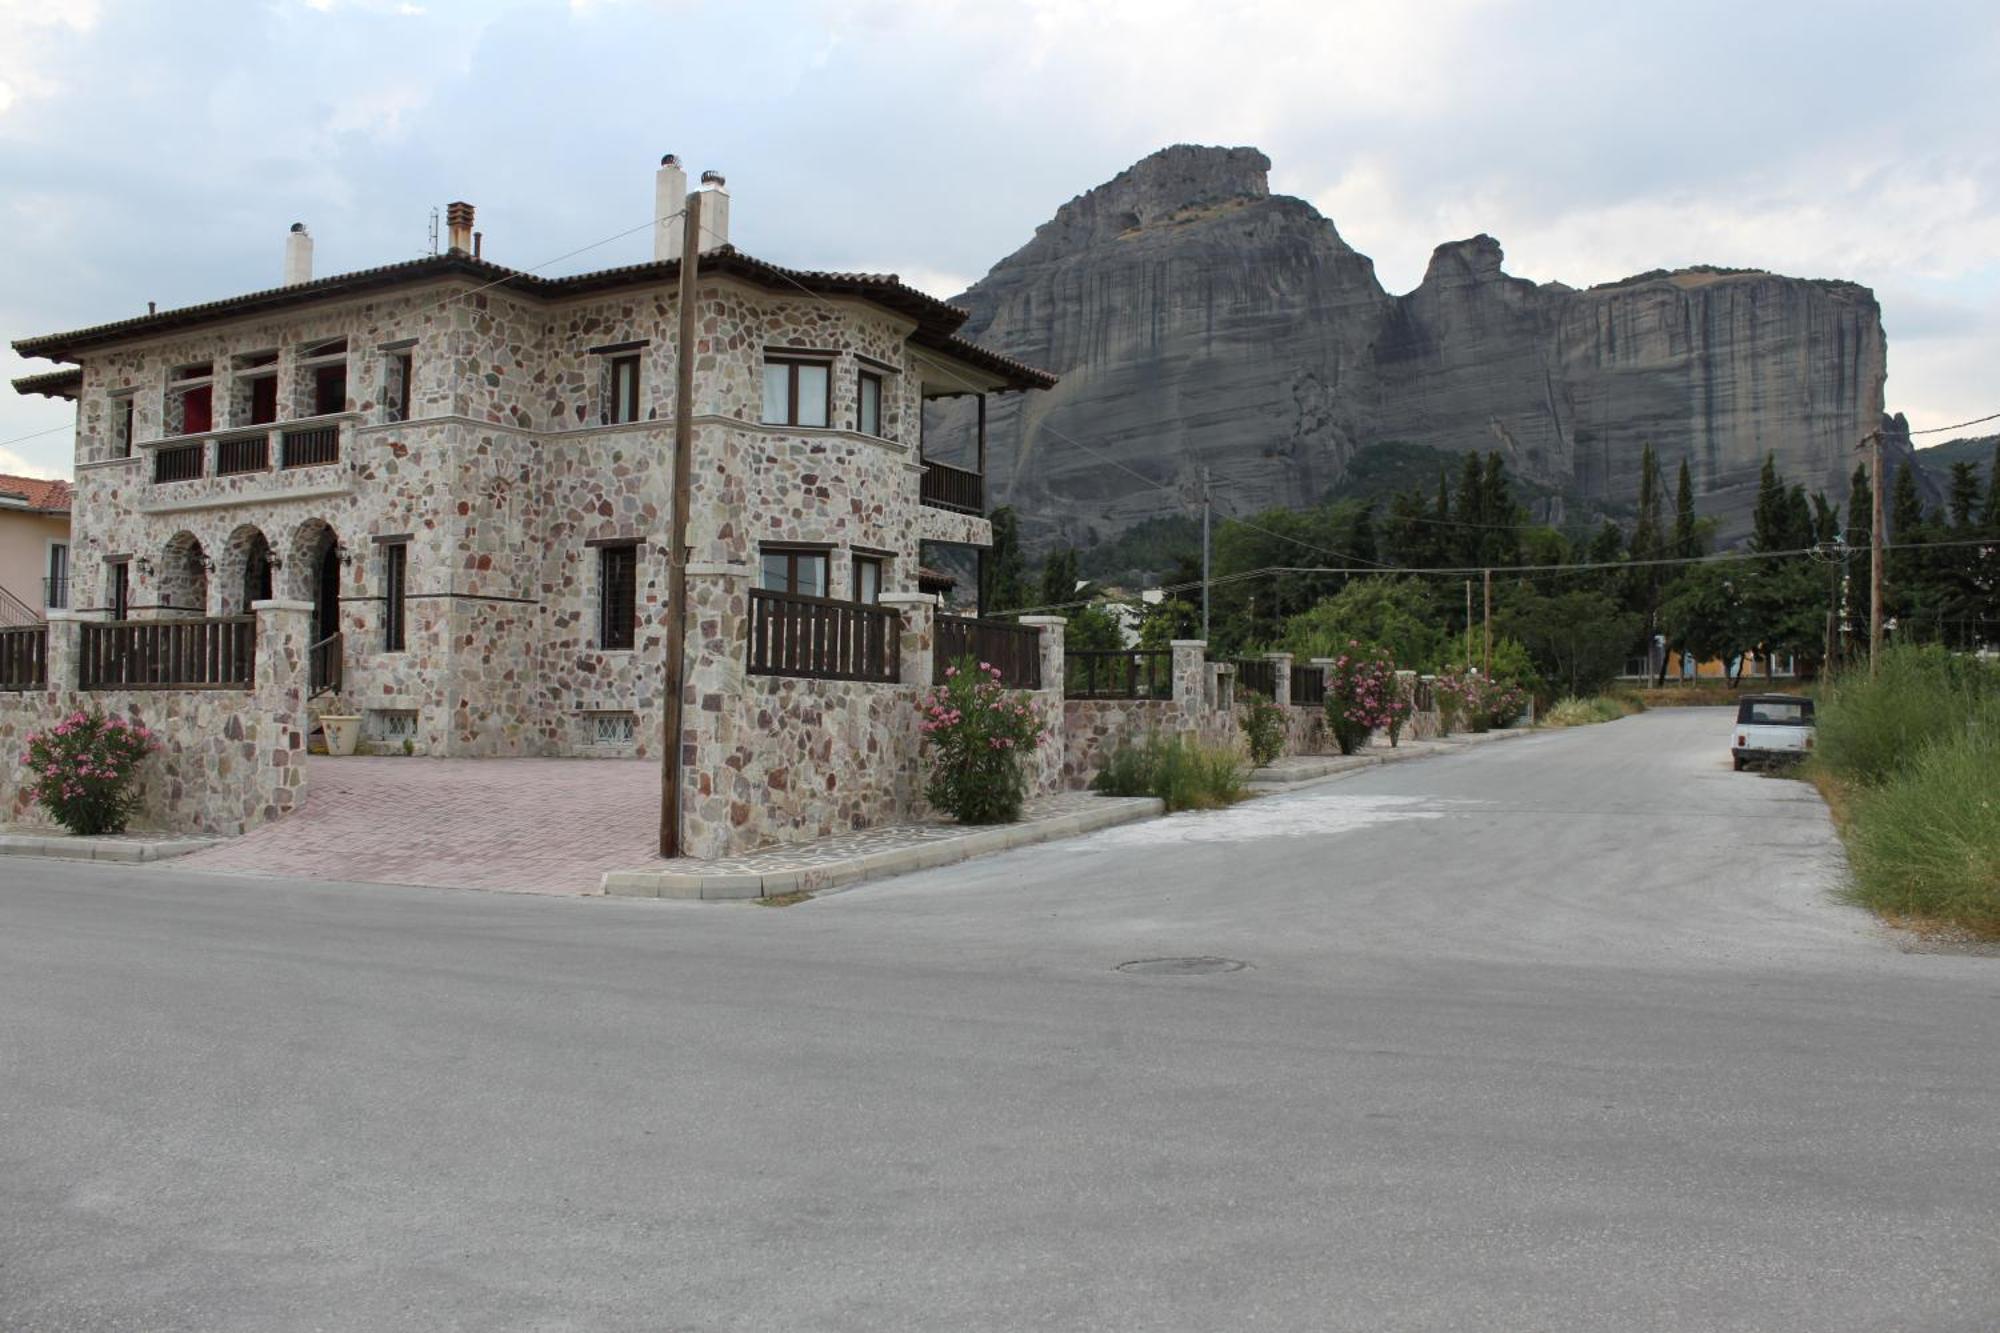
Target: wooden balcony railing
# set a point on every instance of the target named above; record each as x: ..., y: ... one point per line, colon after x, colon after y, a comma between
x: 24, y: 657
x: 309, y: 443
x: 817, y: 637
x: 243, y: 453
x: 954, y: 488
x: 1144, y: 673
x: 1015, y: 649
x: 179, y: 462
x: 309, y: 446
x: 209, y: 653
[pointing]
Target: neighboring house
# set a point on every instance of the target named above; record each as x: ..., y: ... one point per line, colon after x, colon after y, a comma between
x: 34, y: 548
x: 465, y: 471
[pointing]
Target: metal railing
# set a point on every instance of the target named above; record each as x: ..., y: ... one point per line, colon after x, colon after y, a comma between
x: 55, y: 592
x: 1138, y: 673
x: 1256, y: 673
x: 207, y: 653
x: 250, y: 452
x: 823, y: 639
x: 309, y: 446
x: 324, y: 662
x: 179, y: 462
x: 1309, y: 686
x: 24, y: 657
x: 1015, y: 649
x: 955, y: 488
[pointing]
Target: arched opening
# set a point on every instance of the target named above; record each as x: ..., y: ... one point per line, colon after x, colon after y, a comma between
x: 247, y: 566
x: 314, y: 565
x: 184, y: 576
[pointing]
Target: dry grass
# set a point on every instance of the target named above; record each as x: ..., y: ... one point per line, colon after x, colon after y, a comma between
x: 1717, y: 695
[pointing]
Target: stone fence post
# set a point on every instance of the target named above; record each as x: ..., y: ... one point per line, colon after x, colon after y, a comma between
x: 919, y: 646
x: 1052, y: 632
x: 1281, y: 682
x: 1190, y: 680
x: 1050, y: 754
x: 278, y: 700
x: 65, y: 646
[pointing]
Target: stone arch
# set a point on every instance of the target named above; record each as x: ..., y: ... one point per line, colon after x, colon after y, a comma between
x: 247, y: 570
x: 183, y: 576
x: 312, y: 573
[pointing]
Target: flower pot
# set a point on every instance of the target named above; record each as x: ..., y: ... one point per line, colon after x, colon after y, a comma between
x: 343, y: 732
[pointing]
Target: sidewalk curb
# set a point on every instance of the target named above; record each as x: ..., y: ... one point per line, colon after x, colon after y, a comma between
x: 1345, y: 766
x: 131, y: 851
x: 738, y: 886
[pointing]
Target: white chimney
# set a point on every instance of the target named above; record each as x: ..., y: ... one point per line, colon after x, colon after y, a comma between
x: 714, y: 211
x: 458, y: 226
x: 298, y: 255
x: 670, y: 187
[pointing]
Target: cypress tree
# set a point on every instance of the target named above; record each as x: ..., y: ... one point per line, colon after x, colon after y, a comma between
x: 1687, y: 538
x: 1990, y: 517
x: 1770, y: 518
x: 1906, y: 508
x: 1964, y: 494
x: 1860, y: 504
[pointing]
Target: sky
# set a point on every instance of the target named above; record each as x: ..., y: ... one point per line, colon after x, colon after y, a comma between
x: 160, y: 151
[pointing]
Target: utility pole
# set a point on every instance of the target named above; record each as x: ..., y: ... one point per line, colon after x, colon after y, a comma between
x: 1487, y: 576
x: 1468, y: 617
x: 1205, y: 500
x: 677, y: 542
x: 1875, y: 552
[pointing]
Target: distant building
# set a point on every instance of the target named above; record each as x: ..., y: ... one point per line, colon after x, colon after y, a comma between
x: 34, y: 548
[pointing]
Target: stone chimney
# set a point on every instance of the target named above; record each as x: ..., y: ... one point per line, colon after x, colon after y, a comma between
x: 670, y: 187
x: 714, y: 211
x: 458, y: 226
x: 298, y: 255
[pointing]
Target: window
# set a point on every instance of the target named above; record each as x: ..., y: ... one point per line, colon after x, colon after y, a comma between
x: 621, y: 382
x: 797, y: 393
x: 255, y: 398
x: 395, y: 593
x: 118, y: 596
x: 190, y: 404
x: 55, y: 589
x: 797, y: 571
x: 868, y: 579
x: 323, y: 373
x: 396, y: 369
x: 868, y: 404
x: 617, y: 595
x: 121, y: 426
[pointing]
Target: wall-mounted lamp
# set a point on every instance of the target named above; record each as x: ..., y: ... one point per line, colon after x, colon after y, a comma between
x: 272, y: 561
x: 145, y: 567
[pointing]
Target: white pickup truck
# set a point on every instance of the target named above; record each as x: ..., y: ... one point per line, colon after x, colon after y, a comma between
x: 1772, y: 729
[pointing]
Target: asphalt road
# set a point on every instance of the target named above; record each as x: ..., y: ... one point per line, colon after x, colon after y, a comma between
x: 1560, y: 1033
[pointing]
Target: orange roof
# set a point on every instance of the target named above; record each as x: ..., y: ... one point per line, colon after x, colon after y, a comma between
x: 48, y: 497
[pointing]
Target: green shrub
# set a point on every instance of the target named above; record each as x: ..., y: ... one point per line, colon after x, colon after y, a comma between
x: 1871, y: 726
x: 1575, y: 712
x: 1263, y: 728
x: 976, y: 733
x: 82, y: 768
x: 1927, y: 843
x: 1181, y: 771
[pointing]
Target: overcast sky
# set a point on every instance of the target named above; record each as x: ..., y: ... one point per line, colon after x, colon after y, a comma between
x: 159, y: 151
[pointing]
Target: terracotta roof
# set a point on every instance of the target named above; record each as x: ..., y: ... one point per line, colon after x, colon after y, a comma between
x: 42, y: 495
x: 937, y: 321
x: 934, y: 580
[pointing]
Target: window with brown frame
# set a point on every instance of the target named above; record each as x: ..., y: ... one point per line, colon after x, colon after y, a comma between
x: 121, y: 426
x: 617, y: 596
x: 868, y: 403
x: 397, y: 367
x: 118, y: 597
x: 794, y: 570
x: 395, y: 595
x: 797, y: 392
x: 868, y: 579
x: 621, y: 382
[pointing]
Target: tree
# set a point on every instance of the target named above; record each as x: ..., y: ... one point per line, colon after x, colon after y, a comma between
x: 1500, y: 539
x: 1062, y: 581
x: 1399, y: 615
x: 1707, y: 615
x: 1989, y: 518
x: 1906, y: 506
x: 1578, y: 639
x: 1687, y: 539
x: 1003, y: 575
x: 1964, y: 491
x: 1860, y: 505
x: 1093, y: 628
x: 1647, y: 538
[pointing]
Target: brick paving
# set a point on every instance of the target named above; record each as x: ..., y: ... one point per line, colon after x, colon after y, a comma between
x: 522, y: 825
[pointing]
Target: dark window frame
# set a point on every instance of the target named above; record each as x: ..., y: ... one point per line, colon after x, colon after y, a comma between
x: 395, y: 596
x: 118, y: 597
x: 397, y: 408
x: 792, y: 364
x: 617, y: 604
x: 124, y: 420
x: 621, y: 406
x: 880, y: 564
x: 793, y: 556
x: 862, y: 379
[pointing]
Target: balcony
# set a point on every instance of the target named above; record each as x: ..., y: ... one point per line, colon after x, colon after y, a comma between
x: 247, y: 451
x: 953, y: 488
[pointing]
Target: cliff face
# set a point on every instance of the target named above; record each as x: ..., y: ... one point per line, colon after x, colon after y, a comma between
x: 1198, y: 320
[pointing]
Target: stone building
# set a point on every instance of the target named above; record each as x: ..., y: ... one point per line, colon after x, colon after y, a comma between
x: 465, y: 471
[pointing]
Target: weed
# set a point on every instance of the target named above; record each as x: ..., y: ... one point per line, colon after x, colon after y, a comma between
x: 1181, y: 771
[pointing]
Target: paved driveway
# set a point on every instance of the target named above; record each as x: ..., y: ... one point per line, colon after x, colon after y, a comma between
x: 528, y: 825
x: 1560, y: 1034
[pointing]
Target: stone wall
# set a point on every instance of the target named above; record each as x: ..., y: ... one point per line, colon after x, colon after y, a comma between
x: 230, y: 759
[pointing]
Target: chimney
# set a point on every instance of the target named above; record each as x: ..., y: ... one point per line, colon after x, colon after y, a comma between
x: 458, y: 227
x: 714, y: 211
x: 298, y: 255
x: 670, y: 187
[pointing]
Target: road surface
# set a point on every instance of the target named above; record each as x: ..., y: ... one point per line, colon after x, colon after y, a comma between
x: 1560, y: 1033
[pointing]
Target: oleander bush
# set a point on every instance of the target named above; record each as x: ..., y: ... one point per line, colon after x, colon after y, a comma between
x: 1263, y: 728
x: 82, y: 770
x: 976, y: 733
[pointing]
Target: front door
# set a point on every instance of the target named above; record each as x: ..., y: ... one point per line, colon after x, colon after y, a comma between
x: 326, y: 592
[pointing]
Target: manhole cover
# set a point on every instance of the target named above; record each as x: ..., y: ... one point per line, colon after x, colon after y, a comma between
x: 1181, y: 967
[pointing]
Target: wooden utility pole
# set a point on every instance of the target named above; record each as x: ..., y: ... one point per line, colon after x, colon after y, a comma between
x: 1487, y: 656
x: 671, y: 759
x: 1875, y: 552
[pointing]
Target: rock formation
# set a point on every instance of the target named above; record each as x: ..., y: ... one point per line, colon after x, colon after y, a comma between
x: 1198, y: 320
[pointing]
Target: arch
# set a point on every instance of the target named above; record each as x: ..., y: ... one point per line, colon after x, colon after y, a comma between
x: 183, y: 577
x: 312, y: 574
x: 246, y: 569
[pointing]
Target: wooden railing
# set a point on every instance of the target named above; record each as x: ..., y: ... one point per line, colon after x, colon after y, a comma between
x: 309, y: 446
x: 947, y: 487
x: 1015, y: 649
x: 1146, y: 673
x: 324, y: 661
x: 212, y: 653
x: 179, y: 462
x: 1257, y: 673
x: 1309, y: 686
x: 24, y: 657
x: 243, y: 453
x: 795, y: 635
